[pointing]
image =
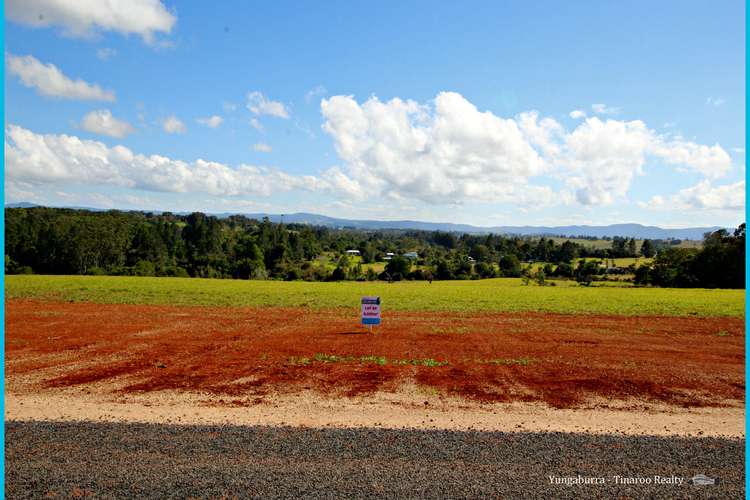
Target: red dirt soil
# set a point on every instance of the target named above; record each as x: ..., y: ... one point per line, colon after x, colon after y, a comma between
x: 562, y: 360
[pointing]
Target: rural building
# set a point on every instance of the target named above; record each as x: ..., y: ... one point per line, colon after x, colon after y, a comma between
x: 388, y: 256
x: 352, y: 252
x: 411, y: 255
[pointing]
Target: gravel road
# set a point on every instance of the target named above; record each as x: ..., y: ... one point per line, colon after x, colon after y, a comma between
x: 112, y: 460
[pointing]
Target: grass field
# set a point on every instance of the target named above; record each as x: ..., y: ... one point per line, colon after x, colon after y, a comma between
x: 330, y: 261
x: 622, y: 261
x: 503, y: 294
x: 602, y: 244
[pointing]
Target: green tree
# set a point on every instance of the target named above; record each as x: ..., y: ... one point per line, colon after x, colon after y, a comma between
x: 618, y: 247
x: 586, y: 271
x: 647, y: 249
x: 568, y: 252
x: 484, y: 270
x: 480, y: 253
x: 632, y: 248
x: 398, y: 266
x: 510, y: 267
x: 144, y: 268
x: 564, y: 270
x: 540, y: 277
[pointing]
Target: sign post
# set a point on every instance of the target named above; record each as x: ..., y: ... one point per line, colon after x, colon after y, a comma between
x: 370, y: 311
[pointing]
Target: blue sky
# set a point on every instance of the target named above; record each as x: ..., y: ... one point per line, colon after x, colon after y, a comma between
x: 486, y: 113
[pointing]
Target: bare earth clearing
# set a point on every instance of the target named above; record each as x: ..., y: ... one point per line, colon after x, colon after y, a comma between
x: 509, y: 371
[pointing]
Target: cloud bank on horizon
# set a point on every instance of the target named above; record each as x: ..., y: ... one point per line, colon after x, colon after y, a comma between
x: 426, y: 157
x: 443, y: 152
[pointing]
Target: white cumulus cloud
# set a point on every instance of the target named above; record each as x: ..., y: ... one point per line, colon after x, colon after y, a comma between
x: 35, y: 159
x: 102, y: 122
x: 702, y: 196
x: 543, y: 133
x: 262, y: 147
x: 577, y: 114
x: 711, y: 161
x: 448, y: 151
x: 318, y: 91
x: 173, y: 125
x: 705, y: 195
x: 211, y: 121
x: 258, y: 104
x: 603, y: 109
x: 604, y: 156
x: 49, y: 81
x: 256, y: 124
x: 83, y: 18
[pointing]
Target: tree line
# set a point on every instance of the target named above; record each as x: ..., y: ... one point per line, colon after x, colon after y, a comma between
x: 68, y: 241
x: 720, y: 263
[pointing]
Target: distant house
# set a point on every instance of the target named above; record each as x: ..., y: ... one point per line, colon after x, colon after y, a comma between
x: 471, y: 259
x: 388, y: 256
x: 352, y: 252
x: 411, y: 255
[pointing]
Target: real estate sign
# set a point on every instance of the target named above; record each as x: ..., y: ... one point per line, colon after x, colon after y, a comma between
x: 370, y: 310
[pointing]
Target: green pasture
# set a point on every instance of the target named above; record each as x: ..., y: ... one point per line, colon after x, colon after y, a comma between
x: 622, y: 261
x: 604, y: 244
x: 502, y: 294
x: 330, y: 261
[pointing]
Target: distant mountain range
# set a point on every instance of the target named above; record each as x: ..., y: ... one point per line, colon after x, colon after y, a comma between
x: 628, y: 230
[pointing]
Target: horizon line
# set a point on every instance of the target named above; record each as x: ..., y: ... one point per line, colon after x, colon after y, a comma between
x: 279, y: 214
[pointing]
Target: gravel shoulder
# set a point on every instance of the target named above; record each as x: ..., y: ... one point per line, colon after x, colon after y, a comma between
x: 118, y: 460
x: 408, y: 408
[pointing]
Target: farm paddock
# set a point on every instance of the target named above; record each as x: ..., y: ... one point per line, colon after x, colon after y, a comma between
x: 243, y: 355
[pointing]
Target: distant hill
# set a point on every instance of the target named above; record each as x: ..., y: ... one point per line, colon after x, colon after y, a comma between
x: 23, y: 204
x: 628, y: 230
